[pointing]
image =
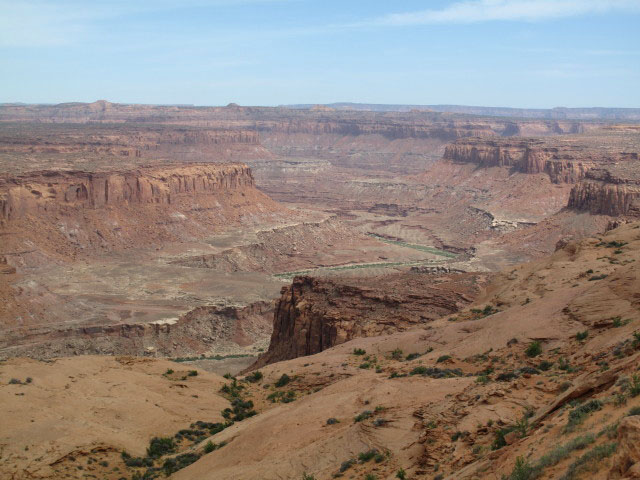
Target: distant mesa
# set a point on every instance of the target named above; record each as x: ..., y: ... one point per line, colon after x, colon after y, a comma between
x: 322, y: 108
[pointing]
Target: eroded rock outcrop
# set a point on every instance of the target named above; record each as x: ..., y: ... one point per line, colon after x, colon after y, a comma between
x: 203, y: 330
x: 71, y: 211
x: 314, y: 314
x: 614, y: 190
x: 45, y: 191
x: 564, y: 163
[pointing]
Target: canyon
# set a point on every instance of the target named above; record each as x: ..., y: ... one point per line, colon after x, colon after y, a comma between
x: 329, y: 261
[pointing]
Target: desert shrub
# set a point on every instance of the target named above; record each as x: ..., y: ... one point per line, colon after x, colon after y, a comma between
x: 359, y: 351
x: 370, y: 476
x: 564, y: 365
x: 172, y: 465
x: 589, y: 460
x: 412, y: 356
x: 28, y: 380
x: 443, y: 358
x: 305, y: 476
x: 506, y: 376
x: 522, y: 470
x: 363, y: 416
x: 169, y: 371
x: 346, y: 465
x: 598, y: 277
x: 435, y: 372
x: 193, y: 373
x: 159, y: 446
x: 633, y: 412
x: 401, y: 474
x: 529, y: 370
x: 634, y: 387
x: 255, y: 377
x: 522, y: 426
x: 228, y: 376
x: 15, y: 381
x: 209, y: 447
x: 582, y: 335
x: 499, y: 440
x: 580, y: 413
x: 483, y: 379
x: 364, y: 457
x: 332, y: 421
x: 396, y: 354
x: 534, y: 349
x: 545, y: 365
x: 365, y: 365
x: 283, y: 380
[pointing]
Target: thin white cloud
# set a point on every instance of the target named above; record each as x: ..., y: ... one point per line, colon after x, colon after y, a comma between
x: 474, y: 11
x: 42, y: 23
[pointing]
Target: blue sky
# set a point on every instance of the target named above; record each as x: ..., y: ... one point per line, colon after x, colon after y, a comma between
x: 518, y: 53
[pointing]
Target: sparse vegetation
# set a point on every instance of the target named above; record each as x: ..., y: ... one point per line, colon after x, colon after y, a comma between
x: 580, y: 413
x: 363, y: 416
x: 443, y: 358
x: 401, y: 474
x: 359, y: 351
x: 589, y: 460
x: 255, y: 377
x: 282, y: 381
x: 534, y: 349
x: 580, y: 336
x: 396, y: 354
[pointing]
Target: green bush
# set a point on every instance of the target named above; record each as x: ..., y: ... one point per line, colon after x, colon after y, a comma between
x: 160, y: 446
x: 193, y: 373
x: 589, y: 460
x: 633, y: 412
x: 522, y: 470
x: 582, y: 335
x: 580, y: 413
x: 172, y: 465
x: 363, y: 416
x: 443, y: 358
x: 545, y: 365
x: 634, y: 388
x: 401, y: 474
x: 534, y: 349
x: 283, y: 380
x: 396, y: 354
x: 359, y: 351
x: 368, y: 455
x: 254, y: 377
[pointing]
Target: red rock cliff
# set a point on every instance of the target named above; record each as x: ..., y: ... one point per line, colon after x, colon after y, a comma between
x: 614, y: 190
x: 314, y: 314
x: 562, y: 164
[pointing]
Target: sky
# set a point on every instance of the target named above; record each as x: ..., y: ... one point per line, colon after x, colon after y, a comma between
x: 512, y: 53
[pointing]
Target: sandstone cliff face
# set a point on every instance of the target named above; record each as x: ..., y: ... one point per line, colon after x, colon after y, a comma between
x: 73, y: 212
x: 614, y: 191
x: 563, y: 165
x: 46, y: 191
x: 314, y: 314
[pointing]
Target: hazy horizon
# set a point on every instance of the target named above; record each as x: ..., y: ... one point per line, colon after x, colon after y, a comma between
x: 503, y: 53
